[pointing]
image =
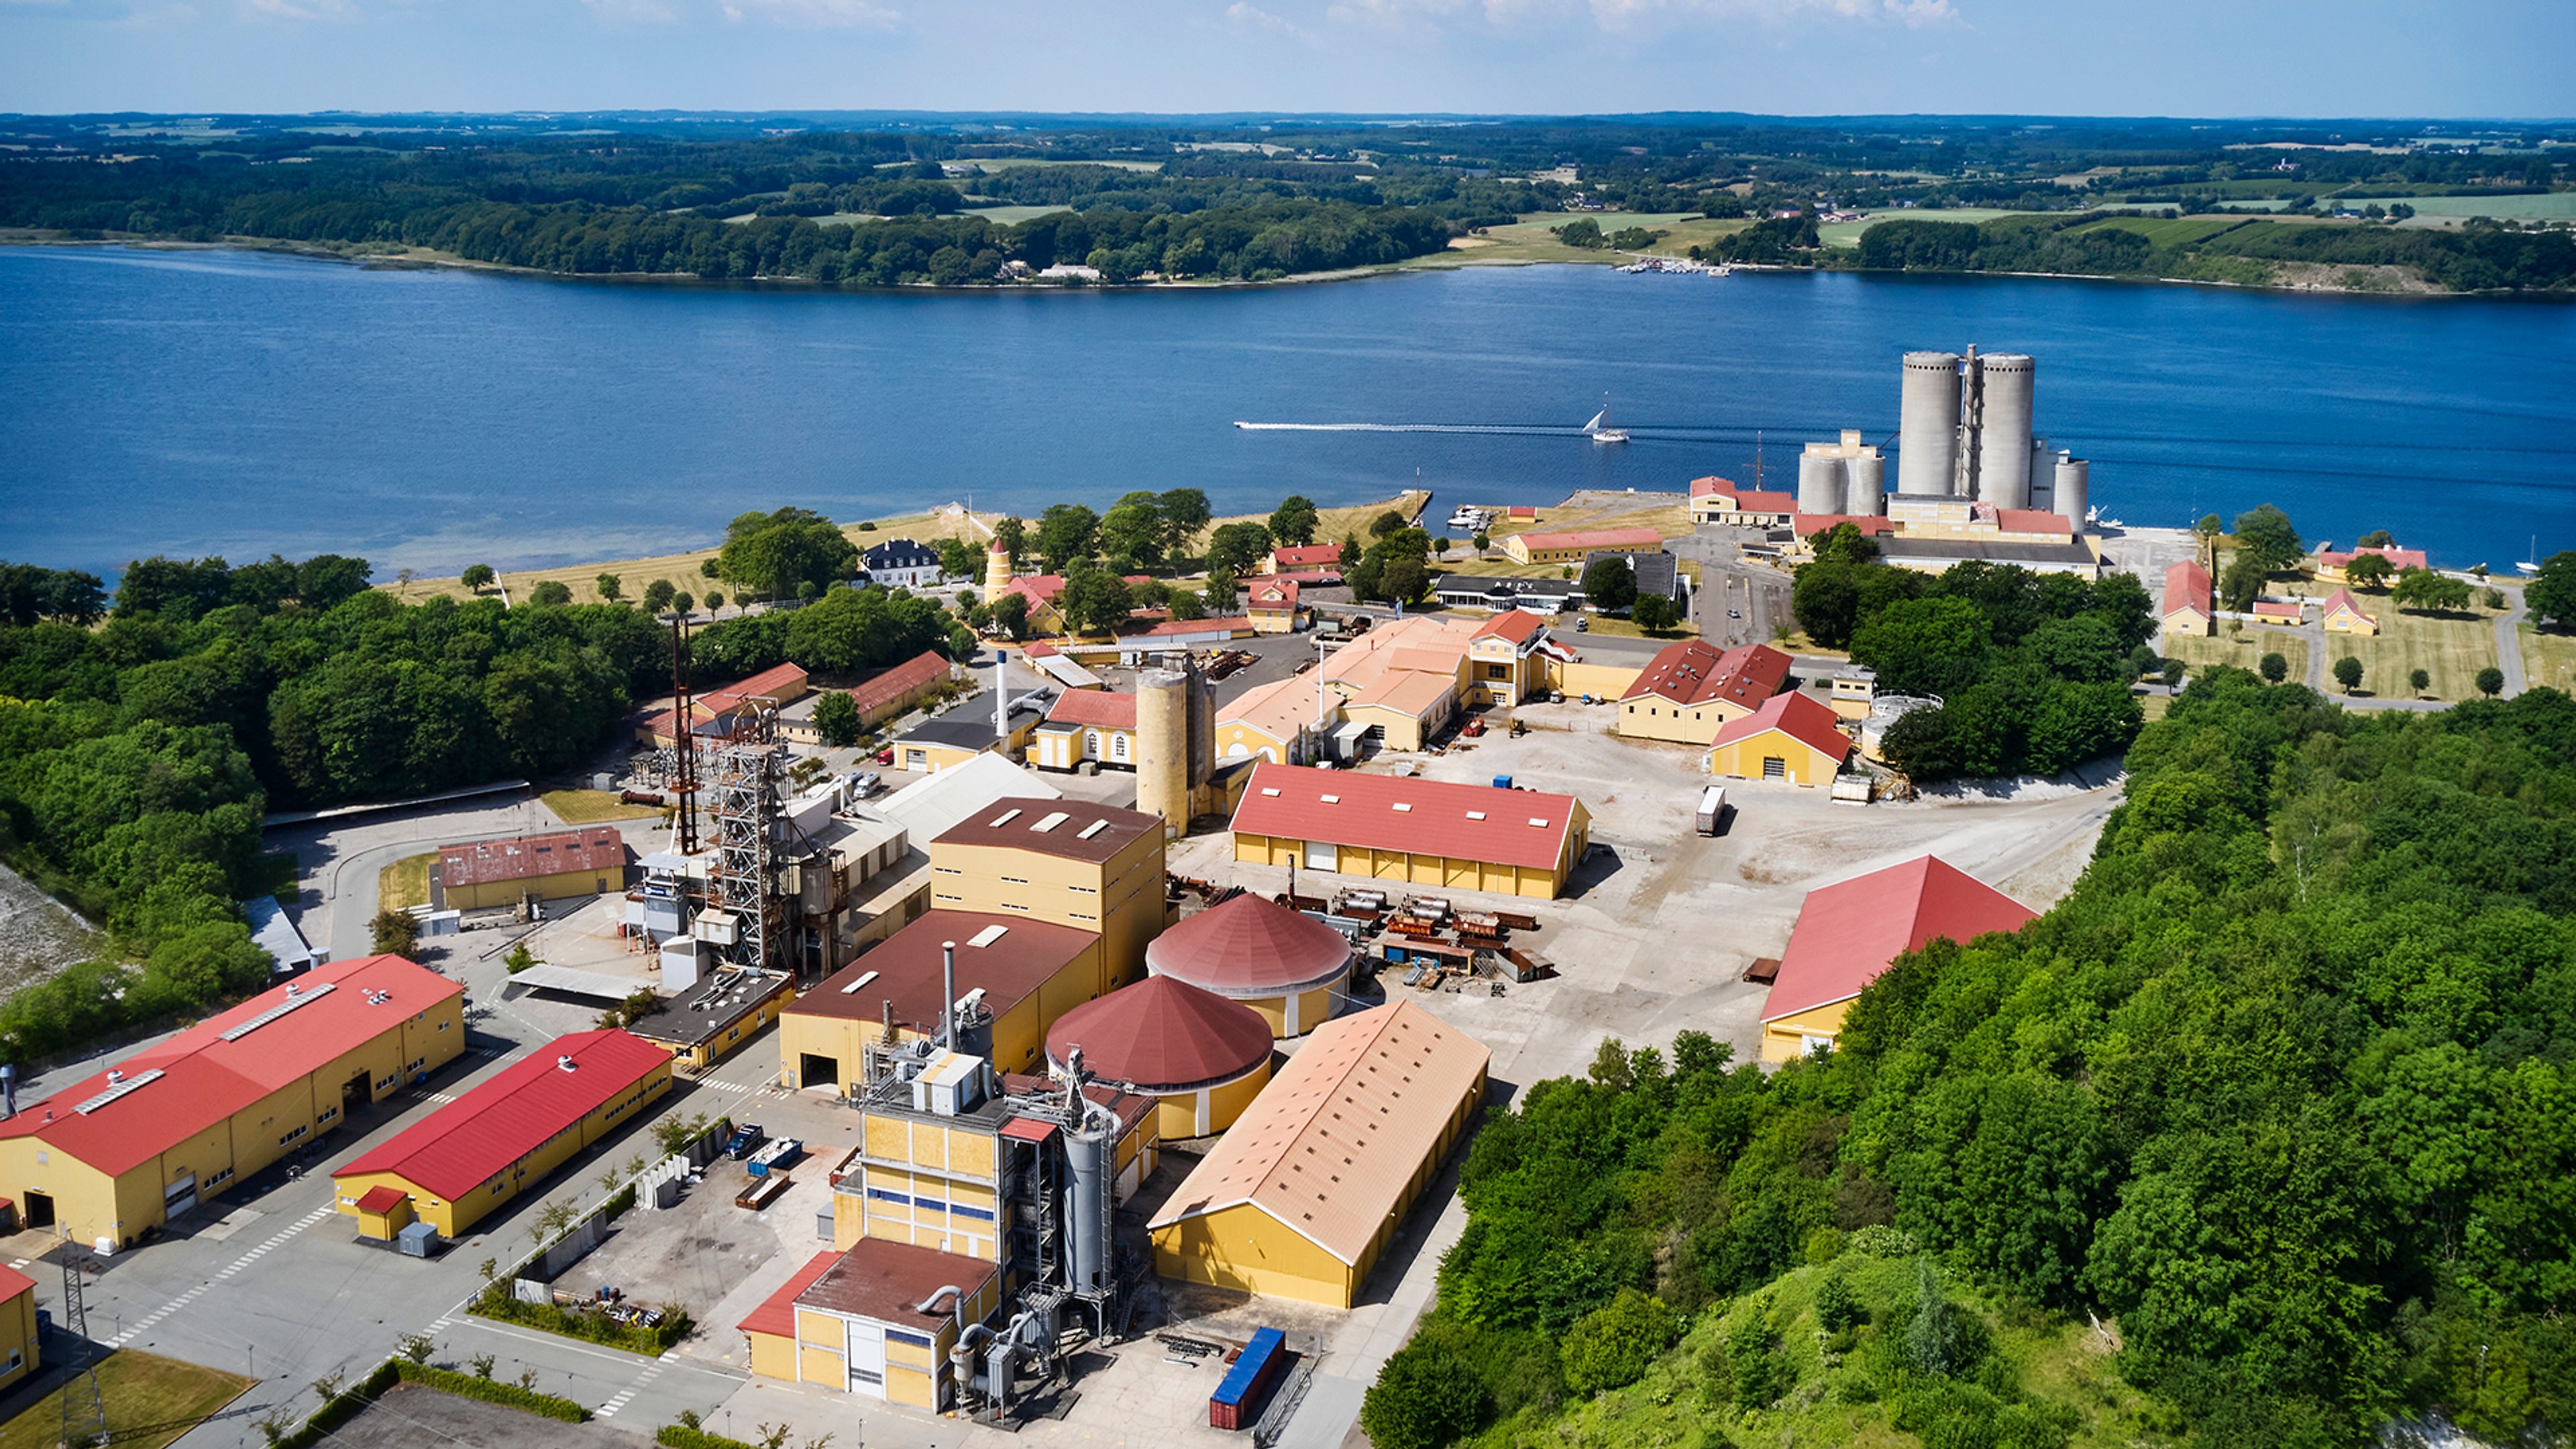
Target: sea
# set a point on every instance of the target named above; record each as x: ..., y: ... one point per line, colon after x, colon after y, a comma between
x: 196, y: 402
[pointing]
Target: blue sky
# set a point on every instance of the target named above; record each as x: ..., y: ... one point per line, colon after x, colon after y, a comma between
x: 2140, y: 57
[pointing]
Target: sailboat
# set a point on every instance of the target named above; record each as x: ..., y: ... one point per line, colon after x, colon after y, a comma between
x: 1598, y: 429
x: 2531, y: 565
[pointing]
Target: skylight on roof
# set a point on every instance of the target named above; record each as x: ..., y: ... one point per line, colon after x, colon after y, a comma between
x: 1047, y: 822
x: 1271, y: 790
x: 862, y: 981
x: 1005, y: 818
x: 1538, y: 821
x: 1405, y: 806
x: 1475, y: 814
x: 1094, y: 828
x: 988, y: 935
x: 293, y: 1000
x: 1330, y: 799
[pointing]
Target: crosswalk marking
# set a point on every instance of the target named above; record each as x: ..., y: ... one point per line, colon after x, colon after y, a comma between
x: 626, y: 1395
x: 276, y: 1240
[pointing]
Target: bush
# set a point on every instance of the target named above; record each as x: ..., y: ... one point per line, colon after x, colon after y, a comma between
x: 1424, y: 1397
x: 689, y: 1436
x: 489, y: 1391
x: 496, y: 1303
x: 1613, y: 1345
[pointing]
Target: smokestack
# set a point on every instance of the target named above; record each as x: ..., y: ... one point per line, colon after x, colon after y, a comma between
x: 1001, y: 699
x: 947, y: 993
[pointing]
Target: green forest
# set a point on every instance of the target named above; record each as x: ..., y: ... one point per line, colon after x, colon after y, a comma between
x: 2271, y: 1121
x: 138, y: 754
x: 2481, y: 256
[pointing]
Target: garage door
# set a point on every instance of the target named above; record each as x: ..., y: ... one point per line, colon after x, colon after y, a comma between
x: 867, y: 1359
x: 1322, y: 855
x: 1774, y: 768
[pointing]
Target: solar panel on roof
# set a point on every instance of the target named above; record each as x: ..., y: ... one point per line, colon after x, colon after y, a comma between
x: 115, y: 1090
x: 293, y: 1000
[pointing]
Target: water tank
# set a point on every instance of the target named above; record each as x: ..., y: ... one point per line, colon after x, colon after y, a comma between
x: 1162, y: 747
x: 1866, y: 485
x: 2074, y: 488
x: 1090, y: 1155
x: 2003, y: 429
x: 1820, y: 483
x: 1927, y: 456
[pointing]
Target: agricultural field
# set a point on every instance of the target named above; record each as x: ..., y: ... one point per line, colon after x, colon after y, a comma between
x: 1847, y: 233
x: 2160, y: 232
x: 2242, y: 645
x: 1530, y: 239
x: 2452, y: 210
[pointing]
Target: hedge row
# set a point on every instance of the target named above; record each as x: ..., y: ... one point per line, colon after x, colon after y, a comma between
x: 682, y: 1436
x: 352, y: 1401
x: 496, y: 1303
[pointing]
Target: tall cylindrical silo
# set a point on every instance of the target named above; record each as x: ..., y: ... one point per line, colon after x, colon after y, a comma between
x: 2003, y: 430
x: 2072, y: 494
x: 1090, y: 1157
x: 1820, y: 483
x: 1927, y: 457
x: 1162, y: 747
x: 1865, y: 485
x: 1201, y: 743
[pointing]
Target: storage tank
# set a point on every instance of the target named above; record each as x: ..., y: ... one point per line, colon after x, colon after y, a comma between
x: 1820, y: 483
x: 1201, y: 742
x: 1927, y: 443
x: 1865, y: 485
x: 2073, y: 479
x: 2003, y: 429
x: 1162, y: 747
x: 1089, y: 1157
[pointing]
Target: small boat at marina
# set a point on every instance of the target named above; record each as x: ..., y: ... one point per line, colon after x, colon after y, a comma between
x: 2531, y: 565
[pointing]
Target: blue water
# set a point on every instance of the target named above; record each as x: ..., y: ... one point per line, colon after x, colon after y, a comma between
x: 240, y: 403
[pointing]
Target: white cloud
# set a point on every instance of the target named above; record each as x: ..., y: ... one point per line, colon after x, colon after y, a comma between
x: 1254, y: 20
x: 814, y: 14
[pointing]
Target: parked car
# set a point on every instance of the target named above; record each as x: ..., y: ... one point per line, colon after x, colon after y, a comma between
x: 746, y: 1139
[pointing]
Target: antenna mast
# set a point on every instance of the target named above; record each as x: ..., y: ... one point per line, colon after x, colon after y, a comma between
x: 684, y: 753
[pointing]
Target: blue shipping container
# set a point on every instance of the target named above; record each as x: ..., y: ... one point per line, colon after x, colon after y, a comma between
x: 1253, y: 1369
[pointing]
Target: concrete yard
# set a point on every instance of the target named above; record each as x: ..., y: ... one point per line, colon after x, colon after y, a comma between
x: 409, y: 1416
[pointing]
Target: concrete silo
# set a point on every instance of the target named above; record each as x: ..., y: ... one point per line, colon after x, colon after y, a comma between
x: 1865, y: 484
x: 2002, y: 389
x: 2071, y: 491
x: 1820, y: 480
x: 1163, y: 747
x: 1927, y: 457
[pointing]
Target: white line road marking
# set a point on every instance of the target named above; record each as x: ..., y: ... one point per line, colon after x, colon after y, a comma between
x: 278, y: 1240
x: 627, y: 1394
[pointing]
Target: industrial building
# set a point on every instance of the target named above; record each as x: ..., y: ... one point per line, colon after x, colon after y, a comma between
x: 1508, y: 658
x: 1506, y: 591
x: 1271, y: 605
x: 1692, y: 689
x: 1289, y: 968
x: 705, y: 1023
x: 1428, y: 832
x: 1405, y: 708
x: 1274, y: 722
x: 500, y: 1141
x: 948, y: 740
x: 1847, y: 476
x: 1569, y: 547
x: 714, y: 714
x: 2188, y: 606
x: 1302, y: 1196
x: 2342, y: 615
x: 1077, y: 863
x: 499, y: 873
x: 857, y: 1321
x: 1851, y: 691
x: 1030, y: 974
x: 1792, y: 737
x: 902, y: 563
x: 1965, y: 432
x: 271, y: 930
x: 1097, y: 726
x: 885, y: 695
x: 134, y: 1146
x: 19, y: 1352
x: 1719, y: 500
x: 1849, y: 932
x: 1201, y: 1057
x: 1934, y: 555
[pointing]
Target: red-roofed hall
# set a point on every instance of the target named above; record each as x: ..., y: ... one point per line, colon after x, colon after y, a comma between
x: 127, y: 1149
x: 501, y: 1140
x: 1692, y: 689
x: 1426, y: 832
x: 1849, y: 932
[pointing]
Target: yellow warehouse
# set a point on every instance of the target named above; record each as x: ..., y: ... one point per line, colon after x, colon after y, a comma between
x: 1847, y: 933
x: 1426, y: 832
x: 489, y: 873
x: 1246, y: 1220
x: 135, y: 1146
x: 1793, y: 737
x: 502, y: 1140
x: 1031, y: 972
x: 18, y: 1357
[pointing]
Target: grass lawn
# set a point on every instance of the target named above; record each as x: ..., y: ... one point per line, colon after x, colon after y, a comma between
x: 2452, y: 648
x: 1006, y: 215
x: 405, y: 883
x: 151, y: 1401
x: 585, y: 807
x: 2243, y: 649
x: 1847, y: 233
x: 2549, y: 658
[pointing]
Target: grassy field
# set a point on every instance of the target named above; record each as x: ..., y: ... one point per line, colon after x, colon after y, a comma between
x: 1847, y: 233
x: 405, y: 883
x: 2452, y: 210
x: 151, y: 1401
x: 588, y: 807
x: 1531, y: 240
x: 2243, y: 649
x: 1013, y: 215
x: 2452, y: 648
x: 2549, y: 659
x: 2163, y: 233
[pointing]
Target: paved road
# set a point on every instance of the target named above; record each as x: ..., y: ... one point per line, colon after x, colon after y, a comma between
x: 2509, y: 638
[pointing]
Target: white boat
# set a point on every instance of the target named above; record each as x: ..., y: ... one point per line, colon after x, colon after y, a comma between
x: 2531, y: 565
x: 1601, y: 434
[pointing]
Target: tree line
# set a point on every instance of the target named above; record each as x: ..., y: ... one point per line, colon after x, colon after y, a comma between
x: 2281, y: 1093
x: 2480, y: 256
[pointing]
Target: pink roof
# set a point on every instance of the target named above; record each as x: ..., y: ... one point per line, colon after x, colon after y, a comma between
x: 2033, y: 520
x: 1235, y: 624
x: 1250, y: 946
x: 1305, y: 555
x: 1694, y: 672
x: 2279, y: 609
x: 1702, y: 487
x: 776, y: 1314
x: 1798, y: 716
x: 2342, y: 601
x: 1099, y: 707
x: 1272, y: 593
x: 1516, y: 625
x: 1163, y: 1034
x: 1407, y: 691
x: 1602, y: 538
x: 1036, y: 588
x: 2186, y: 587
x: 2400, y: 559
x: 206, y: 1079
x: 1849, y: 932
x: 888, y: 685
x: 1747, y: 500
x: 1809, y: 525
x: 1465, y: 822
x: 464, y: 1144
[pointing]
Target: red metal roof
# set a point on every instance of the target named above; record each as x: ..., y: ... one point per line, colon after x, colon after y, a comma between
x: 2186, y: 587
x: 2033, y: 520
x: 1516, y: 625
x: 1304, y: 555
x: 768, y: 683
x: 776, y: 1314
x: 1465, y: 822
x: 1612, y: 538
x: 525, y: 857
x: 1235, y: 624
x: 1798, y: 716
x: 1849, y: 932
x: 2279, y: 609
x: 1011, y: 965
x: 382, y: 1198
x: 1810, y: 524
x: 462, y: 1145
x: 1695, y: 672
x: 13, y: 1283
x: 1030, y: 1129
x: 1102, y: 707
x: 1701, y: 487
x: 205, y: 1078
x: 1163, y: 1034
x: 1250, y: 946
x: 888, y: 685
